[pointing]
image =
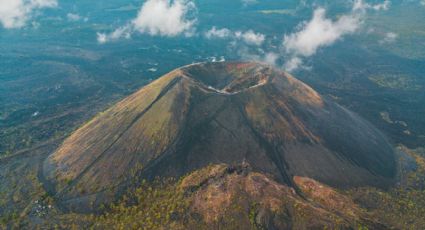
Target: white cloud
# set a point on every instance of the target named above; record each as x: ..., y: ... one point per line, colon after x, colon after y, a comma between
x: 163, y: 17
x: 321, y: 31
x: 16, y: 13
x: 318, y: 32
x: 218, y: 33
x: 102, y: 38
x: 73, y: 17
x: 293, y: 64
x: 270, y: 58
x: 383, y: 6
x: 360, y: 5
x: 249, y: 37
x: 423, y: 2
x: 389, y: 37
x: 246, y: 44
x: 121, y: 32
x: 258, y: 55
x: 158, y: 18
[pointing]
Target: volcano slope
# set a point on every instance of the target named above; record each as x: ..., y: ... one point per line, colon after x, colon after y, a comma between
x: 214, y: 113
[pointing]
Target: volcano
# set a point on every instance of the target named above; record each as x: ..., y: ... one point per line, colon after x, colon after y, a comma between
x: 213, y: 113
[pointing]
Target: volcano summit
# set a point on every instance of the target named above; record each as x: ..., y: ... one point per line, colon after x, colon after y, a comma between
x: 213, y: 113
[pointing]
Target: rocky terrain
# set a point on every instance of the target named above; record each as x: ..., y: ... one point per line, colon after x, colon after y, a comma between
x: 218, y: 113
x: 218, y: 145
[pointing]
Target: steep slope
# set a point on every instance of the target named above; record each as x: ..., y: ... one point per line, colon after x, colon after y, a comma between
x: 218, y: 113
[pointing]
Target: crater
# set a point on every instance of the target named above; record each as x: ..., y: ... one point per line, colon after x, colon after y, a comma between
x: 228, y: 78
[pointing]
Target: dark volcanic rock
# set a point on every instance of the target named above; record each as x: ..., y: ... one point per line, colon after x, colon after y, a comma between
x: 220, y: 113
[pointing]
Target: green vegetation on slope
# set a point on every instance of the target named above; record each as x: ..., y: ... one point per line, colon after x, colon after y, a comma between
x: 215, y: 197
x: 235, y: 197
x: 404, y: 206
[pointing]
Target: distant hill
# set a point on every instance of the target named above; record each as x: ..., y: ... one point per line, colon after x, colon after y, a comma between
x: 218, y: 113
